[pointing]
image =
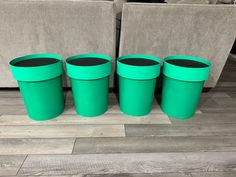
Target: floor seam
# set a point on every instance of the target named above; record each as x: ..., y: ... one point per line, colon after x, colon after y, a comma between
x: 22, y: 164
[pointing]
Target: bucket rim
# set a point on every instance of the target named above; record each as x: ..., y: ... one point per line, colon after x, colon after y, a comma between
x: 35, y: 56
x: 90, y: 72
x: 88, y: 55
x: 138, y: 72
x: 141, y: 56
x: 186, y: 73
x: 36, y: 73
x: 188, y: 57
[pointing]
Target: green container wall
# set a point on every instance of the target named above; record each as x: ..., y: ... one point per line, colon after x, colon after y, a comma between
x: 182, y: 87
x: 40, y: 86
x: 90, y: 85
x: 137, y: 85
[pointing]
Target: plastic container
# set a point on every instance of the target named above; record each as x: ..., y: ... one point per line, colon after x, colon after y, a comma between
x: 184, y: 77
x: 39, y: 77
x: 137, y: 80
x: 89, y: 76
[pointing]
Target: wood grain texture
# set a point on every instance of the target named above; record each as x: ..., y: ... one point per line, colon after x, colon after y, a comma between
x: 217, y: 104
x: 214, y: 174
x: 232, y: 94
x: 230, y: 83
x: 49, y: 176
x: 9, y: 165
x: 212, y: 161
x: 122, y: 175
x: 36, y: 146
x: 111, y: 109
x: 143, y: 175
x: 128, y: 163
x: 108, y: 118
x: 208, y: 118
x: 114, y: 108
x: 201, y: 174
x: 186, y: 174
x: 221, y: 109
x: 10, y: 93
x: 154, y: 144
x: 13, y: 109
x: 11, y: 101
x: 181, y: 130
x: 208, y: 102
x: 214, y: 95
x: 62, y: 131
x: 226, y: 102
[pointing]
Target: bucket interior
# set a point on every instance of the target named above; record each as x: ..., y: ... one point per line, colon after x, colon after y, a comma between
x: 187, y: 63
x: 87, y: 61
x: 139, y: 62
x: 35, y: 62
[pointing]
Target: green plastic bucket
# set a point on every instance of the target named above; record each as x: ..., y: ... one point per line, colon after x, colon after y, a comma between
x: 39, y: 77
x: 184, y: 77
x: 137, y: 80
x: 89, y: 76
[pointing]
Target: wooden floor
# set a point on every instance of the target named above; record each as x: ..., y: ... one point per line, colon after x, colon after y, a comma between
x: 115, y: 145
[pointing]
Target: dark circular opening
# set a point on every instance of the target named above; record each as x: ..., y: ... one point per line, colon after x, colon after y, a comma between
x: 187, y: 63
x: 36, y: 62
x: 87, y: 61
x: 139, y: 62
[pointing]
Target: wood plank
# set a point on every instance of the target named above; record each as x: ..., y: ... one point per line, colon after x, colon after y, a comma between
x: 228, y: 76
x: 51, y: 176
x: 128, y: 163
x: 212, y: 105
x: 123, y: 175
x: 214, y: 174
x: 208, y: 118
x: 143, y: 175
x: 222, y: 109
x: 154, y: 144
x: 11, y: 101
x: 232, y: 94
x: 36, y: 146
x: 116, y: 109
x: 70, y: 110
x: 181, y: 130
x: 224, y: 89
x: 205, y: 174
x: 226, y: 102
x: 62, y: 131
x: 112, y: 109
x: 211, y: 94
x: 107, y: 118
x: 207, y: 102
x: 16, y: 109
x: 212, y: 161
x: 10, y: 93
x: 9, y: 165
x: 226, y: 83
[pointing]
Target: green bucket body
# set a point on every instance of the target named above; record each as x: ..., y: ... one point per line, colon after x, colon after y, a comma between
x: 90, y: 85
x: 40, y: 86
x: 182, y: 87
x: 136, y: 96
x: 137, y: 85
x: 44, y: 100
x: 90, y: 97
